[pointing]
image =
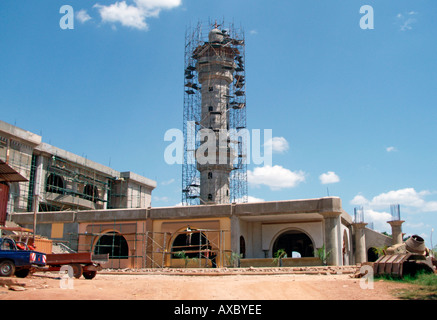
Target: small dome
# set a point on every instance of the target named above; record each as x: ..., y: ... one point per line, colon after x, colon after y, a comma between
x: 215, y: 35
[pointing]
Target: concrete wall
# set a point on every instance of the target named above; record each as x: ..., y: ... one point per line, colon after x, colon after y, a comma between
x: 375, y: 239
x: 260, y: 224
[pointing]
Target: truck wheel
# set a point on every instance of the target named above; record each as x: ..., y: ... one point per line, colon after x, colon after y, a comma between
x: 89, y: 274
x: 7, y: 268
x: 77, y: 270
x: 22, y: 273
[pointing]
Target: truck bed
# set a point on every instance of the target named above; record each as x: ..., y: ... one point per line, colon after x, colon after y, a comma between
x: 75, y: 258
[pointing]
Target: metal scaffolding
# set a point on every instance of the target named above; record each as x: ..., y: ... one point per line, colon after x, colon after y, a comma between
x: 199, y: 114
x: 66, y: 184
x: 129, y: 245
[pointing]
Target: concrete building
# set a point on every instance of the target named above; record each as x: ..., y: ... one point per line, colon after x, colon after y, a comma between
x: 57, y: 180
x: 91, y: 207
x: 213, y: 234
x: 109, y: 211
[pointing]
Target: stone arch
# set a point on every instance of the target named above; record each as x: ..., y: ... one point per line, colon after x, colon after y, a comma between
x: 293, y: 240
x: 91, y: 193
x: 190, y: 240
x: 113, y: 243
x: 55, y: 184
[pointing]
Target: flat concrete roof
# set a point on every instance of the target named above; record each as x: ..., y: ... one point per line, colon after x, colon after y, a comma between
x: 52, y: 150
x: 139, y: 179
x: 309, y: 208
x: 19, y: 134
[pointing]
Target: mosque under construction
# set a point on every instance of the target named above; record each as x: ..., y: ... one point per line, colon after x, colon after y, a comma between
x: 90, y: 207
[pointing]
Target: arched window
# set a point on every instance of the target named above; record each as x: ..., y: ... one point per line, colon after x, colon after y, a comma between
x: 91, y: 193
x: 114, y: 244
x: 210, y: 197
x: 192, y: 242
x: 55, y: 184
x: 294, y: 241
x: 209, y: 175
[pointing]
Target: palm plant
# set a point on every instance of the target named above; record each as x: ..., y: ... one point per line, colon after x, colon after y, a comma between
x: 322, y: 254
x: 278, y: 256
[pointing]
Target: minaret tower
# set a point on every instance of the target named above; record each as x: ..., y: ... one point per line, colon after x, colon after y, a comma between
x: 215, y: 73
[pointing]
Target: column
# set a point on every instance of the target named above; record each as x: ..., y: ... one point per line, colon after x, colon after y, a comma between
x: 235, y: 234
x: 396, y: 231
x: 38, y: 183
x: 360, y: 242
x: 332, y: 231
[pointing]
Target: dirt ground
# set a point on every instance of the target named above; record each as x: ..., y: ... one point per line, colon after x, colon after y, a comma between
x: 128, y: 286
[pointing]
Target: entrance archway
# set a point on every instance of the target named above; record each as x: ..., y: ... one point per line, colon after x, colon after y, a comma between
x: 294, y: 241
x: 114, y: 244
x: 192, y: 242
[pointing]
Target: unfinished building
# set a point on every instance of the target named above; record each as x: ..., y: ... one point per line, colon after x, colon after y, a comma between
x: 53, y: 179
x: 214, y: 112
x: 92, y: 208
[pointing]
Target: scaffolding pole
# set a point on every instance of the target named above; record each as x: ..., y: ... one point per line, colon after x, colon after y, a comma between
x: 200, y: 114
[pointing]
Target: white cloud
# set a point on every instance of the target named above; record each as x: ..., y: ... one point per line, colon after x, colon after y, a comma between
x: 278, y: 144
x: 127, y: 15
x: 254, y: 199
x: 134, y: 16
x: 329, y: 177
x: 406, y: 21
x: 407, y: 197
x: 82, y: 16
x: 378, y: 218
x: 359, y: 200
x: 391, y: 149
x: 410, y: 200
x: 407, y: 24
x: 249, y: 199
x: 430, y: 206
x: 276, y: 177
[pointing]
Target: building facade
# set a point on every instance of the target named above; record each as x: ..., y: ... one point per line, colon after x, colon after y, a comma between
x: 214, y: 235
x: 58, y: 180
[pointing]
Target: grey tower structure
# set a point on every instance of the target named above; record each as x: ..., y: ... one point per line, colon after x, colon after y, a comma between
x: 215, y: 169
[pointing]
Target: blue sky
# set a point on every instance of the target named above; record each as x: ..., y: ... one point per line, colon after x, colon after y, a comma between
x: 354, y: 106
